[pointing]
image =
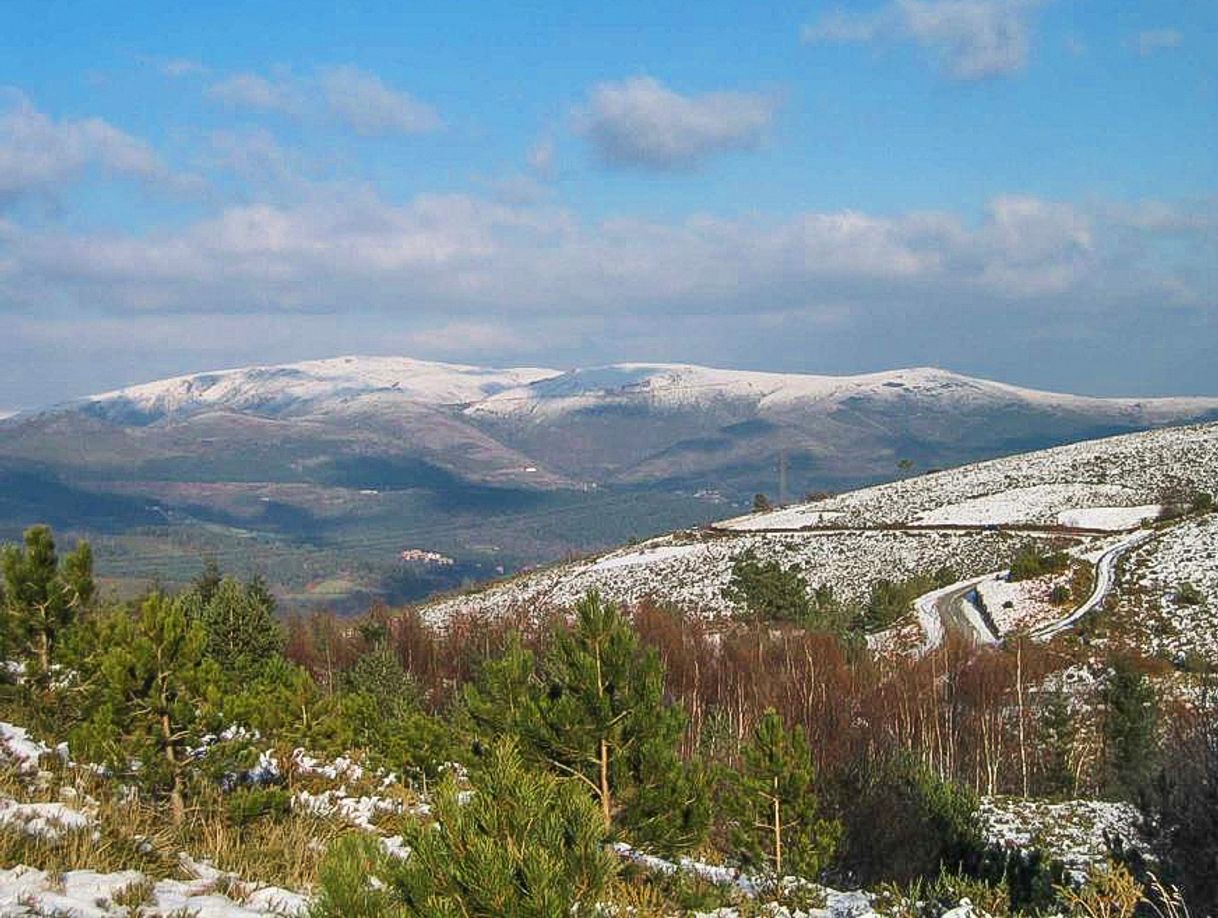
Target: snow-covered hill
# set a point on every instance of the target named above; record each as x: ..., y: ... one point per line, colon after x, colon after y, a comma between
x: 684, y: 386
x: 315, y: 386
x: 536, y: 393
x: 971, y: 520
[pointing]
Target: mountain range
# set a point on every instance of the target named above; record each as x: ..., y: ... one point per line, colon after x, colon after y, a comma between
x: 323, y: 471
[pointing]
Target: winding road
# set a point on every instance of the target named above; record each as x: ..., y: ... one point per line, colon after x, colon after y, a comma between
x: 951, y: 608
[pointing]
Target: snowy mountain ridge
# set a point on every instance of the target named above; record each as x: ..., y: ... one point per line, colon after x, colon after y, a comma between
x: 322, y: 386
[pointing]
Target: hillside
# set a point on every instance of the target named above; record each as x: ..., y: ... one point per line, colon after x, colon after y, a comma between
x: 321, y: 473
x: 1086, y: 498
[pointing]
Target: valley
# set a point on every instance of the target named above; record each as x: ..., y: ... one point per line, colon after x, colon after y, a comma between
x: 318, y: 475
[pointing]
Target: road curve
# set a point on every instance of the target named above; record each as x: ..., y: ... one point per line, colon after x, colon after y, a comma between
x: 1105, y: 580
x: 950, y: 604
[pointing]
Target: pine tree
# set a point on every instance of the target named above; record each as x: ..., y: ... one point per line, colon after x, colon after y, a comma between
x: 42, y: 594
x: 1058, y: 734
x: 1131, y: 719
x: 156, y: 686
x: 525, y: 843
x: 776, y: 819
x: 239, y: 621
x: 501, y: 699
x: 594, y: 709
x: 601, y: 715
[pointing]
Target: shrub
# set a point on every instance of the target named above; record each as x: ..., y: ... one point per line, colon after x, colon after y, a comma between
x: 249, y: 804
x: 1030, y: 562
x: 1188, y: 595
x: 345, y: 887
x: 767, y: 591
x: 1109, y: 892
x: 902, y: 822
x: 1059, y: 595
x: 525, y: 843
x: 890, y: 600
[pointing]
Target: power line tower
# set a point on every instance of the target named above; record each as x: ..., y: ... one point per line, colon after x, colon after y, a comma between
x: 782, y: 477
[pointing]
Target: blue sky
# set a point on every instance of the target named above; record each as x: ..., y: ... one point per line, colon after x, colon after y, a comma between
x: 1019, y: 189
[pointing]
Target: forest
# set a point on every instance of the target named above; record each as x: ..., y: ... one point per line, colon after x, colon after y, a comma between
x: 538, y: 763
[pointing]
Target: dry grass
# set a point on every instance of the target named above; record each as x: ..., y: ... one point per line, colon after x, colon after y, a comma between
x: 134, y: 832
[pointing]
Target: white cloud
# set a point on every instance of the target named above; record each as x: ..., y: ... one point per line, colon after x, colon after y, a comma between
x: 352, y: 97
x: 39, y: 154
x: 178, y: 67
x: 452, y: 255
x: 369, y: 107
x: 973, y: 39
x: 249, y: 90
x: 642, y: 123
x: 541, y: 158
x: 1154, y: 40
x: 460, y: 277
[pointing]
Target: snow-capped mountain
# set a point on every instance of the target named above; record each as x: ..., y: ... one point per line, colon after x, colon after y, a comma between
x: 685, y: 386
x: 313, y: 386
x: 502, y: 467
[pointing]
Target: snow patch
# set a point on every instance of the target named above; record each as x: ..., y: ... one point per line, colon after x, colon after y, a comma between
x: 1114, y: 519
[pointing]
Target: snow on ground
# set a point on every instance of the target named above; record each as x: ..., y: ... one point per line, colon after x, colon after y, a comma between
x: 799, y: 517
x: 693, y: 575
x: 1024, y: 604
x: 1033, y: 504
x: 1150, y: 604
x: 1072, y: 832
x: 853, y: 904
x: 18, y: 750
x: 319, y: 381
x: 26, y: 891
x: 1112, y: 519
x: 43, y: 820
x: 1129, y: 470
x: 645, y: 556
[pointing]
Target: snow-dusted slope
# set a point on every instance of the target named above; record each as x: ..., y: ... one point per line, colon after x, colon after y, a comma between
x: 850, y: 541
x: 1044, y: 487
x: 317, y: 385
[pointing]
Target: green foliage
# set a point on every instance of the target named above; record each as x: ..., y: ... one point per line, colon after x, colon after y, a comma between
x: 42, y: 594
x: 239, y: 620
x: 1059, y: 595
x: 1131, y: 719
x: 601, y: 715
x: 902, y: 821
x: 761, y: 503
x: 890, y: 600
x: 1187, y: 594
x: 1058, y: 733
x: 247, y: 805
x: 499, y: 700
x: 767, y: 591
x: 155, y: 687
x: 525, y: 843
x: 1030, y: 562
x: 345, y: 889
x: 1202, y: 502
x: 594, y: 708
x: 775, y: 812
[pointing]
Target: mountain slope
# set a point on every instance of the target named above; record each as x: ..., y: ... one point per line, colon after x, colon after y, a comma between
x: 972, y: 520
x: 334, y: 466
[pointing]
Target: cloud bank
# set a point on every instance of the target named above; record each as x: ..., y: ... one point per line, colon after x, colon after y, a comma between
x: 971, y: 39
x: 347, y: 95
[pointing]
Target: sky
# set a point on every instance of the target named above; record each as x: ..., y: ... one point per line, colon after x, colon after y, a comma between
x: 1024, y: 190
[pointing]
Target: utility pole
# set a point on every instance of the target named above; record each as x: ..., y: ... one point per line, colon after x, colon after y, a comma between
x: 782, y: 477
